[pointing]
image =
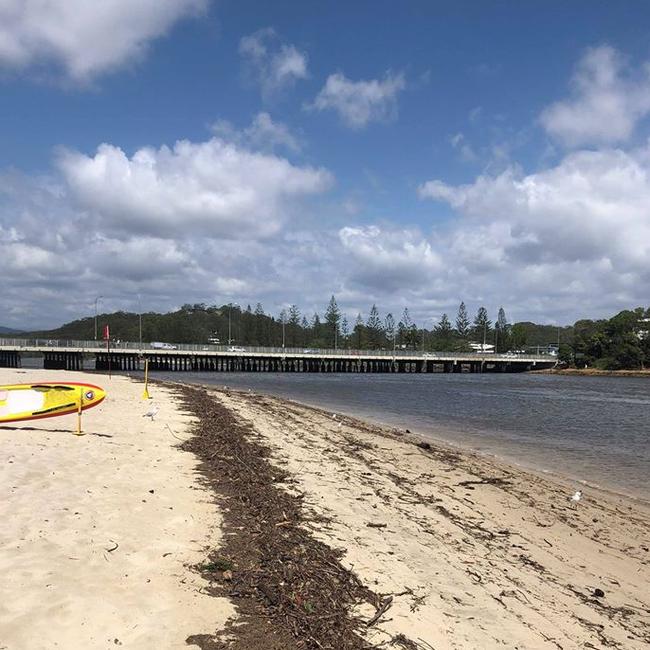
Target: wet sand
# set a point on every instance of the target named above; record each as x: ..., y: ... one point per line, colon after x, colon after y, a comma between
x: 98, y: 531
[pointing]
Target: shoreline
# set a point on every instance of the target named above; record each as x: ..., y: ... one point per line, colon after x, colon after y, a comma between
x: 501, y: 456
x: 470, y: 551
x: 416, y: 437
x: 591, y: 372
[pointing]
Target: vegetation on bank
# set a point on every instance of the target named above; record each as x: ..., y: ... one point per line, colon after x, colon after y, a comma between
x: 620, y: 342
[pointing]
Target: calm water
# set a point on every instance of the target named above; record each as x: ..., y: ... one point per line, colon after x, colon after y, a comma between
x: 595, y: 429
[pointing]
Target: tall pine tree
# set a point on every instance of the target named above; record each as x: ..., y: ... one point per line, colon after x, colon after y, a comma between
x: 332, y: 320
x: 502, y: 332
x: 374, y: 329
x: 482, y: 326
x: 443, y: 334
x: 462, y: 321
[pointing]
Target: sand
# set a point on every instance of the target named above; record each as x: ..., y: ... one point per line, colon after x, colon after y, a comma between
x: 476, y: 553
x: 98, y: 532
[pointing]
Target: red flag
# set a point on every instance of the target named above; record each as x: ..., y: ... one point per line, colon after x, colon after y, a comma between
x: 107, y: 333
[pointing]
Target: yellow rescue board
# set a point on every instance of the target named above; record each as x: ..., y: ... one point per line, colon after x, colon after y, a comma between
x: 46, y: 400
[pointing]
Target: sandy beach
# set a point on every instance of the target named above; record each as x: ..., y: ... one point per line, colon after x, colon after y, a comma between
x: 471, y: 552
x: 98, y: 531
x: 320, y: 531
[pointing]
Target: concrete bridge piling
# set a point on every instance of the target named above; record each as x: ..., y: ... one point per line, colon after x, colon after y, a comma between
x: 10, y: 359
x: 63, y: 361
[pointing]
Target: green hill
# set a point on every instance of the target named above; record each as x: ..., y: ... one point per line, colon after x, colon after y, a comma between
x: 9, y: 330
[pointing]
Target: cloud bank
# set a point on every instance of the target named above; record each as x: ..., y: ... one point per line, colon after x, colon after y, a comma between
x: 85, y: 39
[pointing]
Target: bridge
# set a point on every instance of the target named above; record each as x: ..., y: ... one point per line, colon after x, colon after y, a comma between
x: 120, y: 355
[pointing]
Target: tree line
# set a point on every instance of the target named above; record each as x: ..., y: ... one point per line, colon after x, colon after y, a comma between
x: 621, y: 342
x: 233, y: 324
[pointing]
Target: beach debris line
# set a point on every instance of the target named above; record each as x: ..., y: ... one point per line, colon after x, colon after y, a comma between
x: 291, y: 590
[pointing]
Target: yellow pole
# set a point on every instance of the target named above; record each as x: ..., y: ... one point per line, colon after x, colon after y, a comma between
x: 79, y: 432
x: 145, y: 394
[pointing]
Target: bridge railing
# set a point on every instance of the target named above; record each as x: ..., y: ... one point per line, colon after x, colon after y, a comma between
x: 117, y: 346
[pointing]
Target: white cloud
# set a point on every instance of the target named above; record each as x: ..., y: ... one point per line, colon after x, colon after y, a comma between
x: 388, y: 259
x: 214, y: 187
x: 571, y: 239
x: 275, y: 65
x: 360, y: 102
x: 592, y: 205
x: 263, y: 133
x: 84, y: 38
x: 606, y: 104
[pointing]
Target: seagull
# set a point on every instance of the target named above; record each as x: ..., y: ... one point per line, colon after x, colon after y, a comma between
x: 575, y: 498
x: 333, y: 416
x: 152, y: 413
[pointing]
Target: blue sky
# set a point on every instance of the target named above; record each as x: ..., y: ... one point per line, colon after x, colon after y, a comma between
x: 409, y: 154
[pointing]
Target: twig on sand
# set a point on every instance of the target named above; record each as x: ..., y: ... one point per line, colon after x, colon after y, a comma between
x: 173, y: 434
x: 386, y: 604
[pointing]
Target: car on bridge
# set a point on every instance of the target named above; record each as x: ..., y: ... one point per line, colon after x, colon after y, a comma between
x: 159, y: 345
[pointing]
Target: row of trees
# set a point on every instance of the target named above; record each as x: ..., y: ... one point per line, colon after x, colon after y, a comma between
x: 375, y: 332
x: 232, y: 324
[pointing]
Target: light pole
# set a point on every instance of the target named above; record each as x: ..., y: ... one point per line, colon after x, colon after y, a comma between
x: 282, y: 318
x: 140, y: 320
x: 231, y: 305
x: 96, y: 301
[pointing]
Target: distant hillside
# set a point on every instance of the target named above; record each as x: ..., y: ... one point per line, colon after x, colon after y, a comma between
x: 9, y: 330
x: 190, y: 324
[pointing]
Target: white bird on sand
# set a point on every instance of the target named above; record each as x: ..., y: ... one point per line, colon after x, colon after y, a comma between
x: 575, y: 498
x: 152, y: 413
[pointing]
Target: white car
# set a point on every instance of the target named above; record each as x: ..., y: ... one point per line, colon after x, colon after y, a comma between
x: 158, y: 345
x: 236, y: 348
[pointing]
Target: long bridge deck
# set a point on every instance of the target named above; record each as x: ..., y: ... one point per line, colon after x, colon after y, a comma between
x: 211, y: 358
